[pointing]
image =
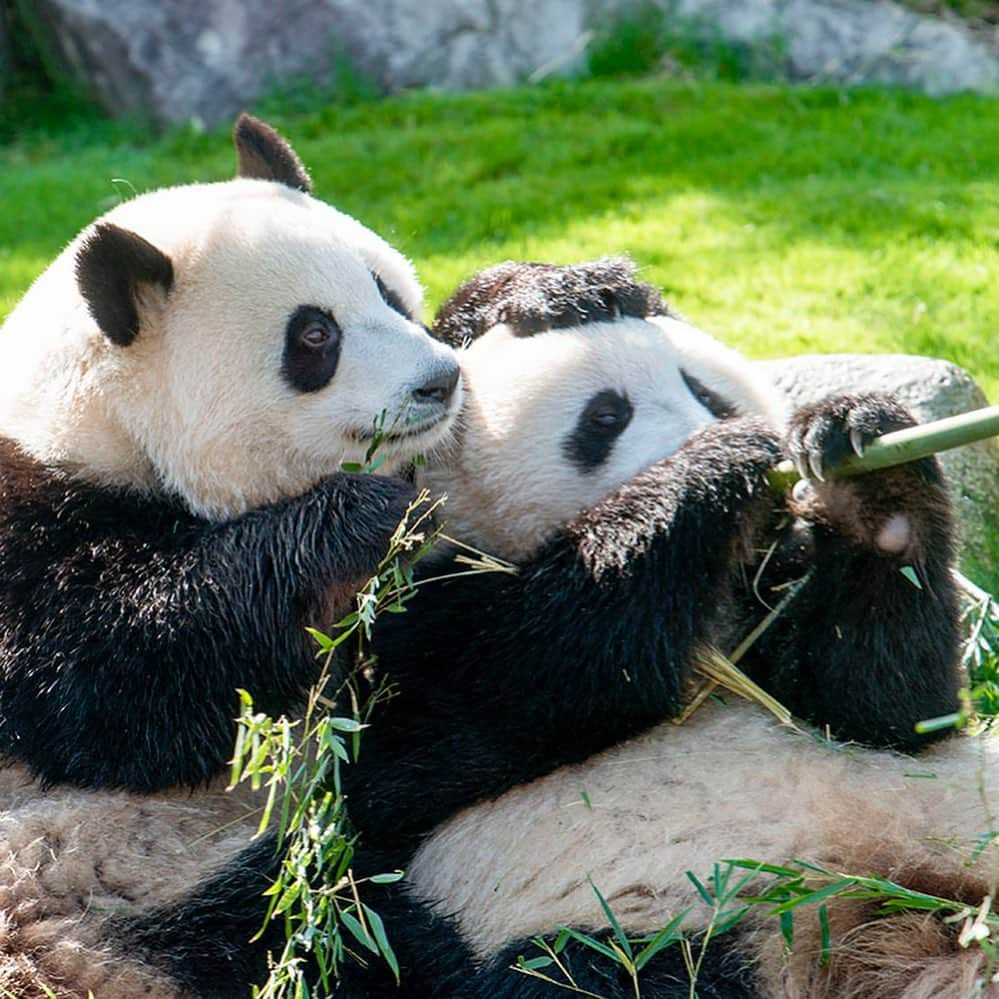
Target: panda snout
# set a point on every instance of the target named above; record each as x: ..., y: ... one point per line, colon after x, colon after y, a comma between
x: 439, y: 387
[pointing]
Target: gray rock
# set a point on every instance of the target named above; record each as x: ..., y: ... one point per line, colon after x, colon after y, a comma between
x: 185, y: 59
x: 931, y: 389
x: 189, y: 59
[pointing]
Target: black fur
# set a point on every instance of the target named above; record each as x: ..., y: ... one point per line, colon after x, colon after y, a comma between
x: 262, y: 153
x: 588, y: 644
x: 391, y: 298
x: 711, y: 401
x: 501, y: 678
x: 203, y: 942
x: 127, y: 623
x: 863, y: 649
x: 602, y: 420
x: 312, y: 341
x: 725, y: 973
x: 532, y: 298
x: 484, y: 697
x: 112, y: 265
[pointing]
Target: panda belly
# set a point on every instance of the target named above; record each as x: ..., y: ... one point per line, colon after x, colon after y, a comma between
x: 729, y: 783
x: 73, y: 856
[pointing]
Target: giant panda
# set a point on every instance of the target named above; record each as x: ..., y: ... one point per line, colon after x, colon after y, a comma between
x: 178, y: 392
x: 619, y: 457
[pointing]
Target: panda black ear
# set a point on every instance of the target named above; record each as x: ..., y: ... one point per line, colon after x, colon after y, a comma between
x: 111, y: 266
x: 262, y: 153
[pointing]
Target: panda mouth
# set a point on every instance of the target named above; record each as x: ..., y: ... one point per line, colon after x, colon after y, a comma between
x: 393, y: 435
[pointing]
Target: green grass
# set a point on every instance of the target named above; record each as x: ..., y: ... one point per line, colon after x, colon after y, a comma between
x: 784, y: 220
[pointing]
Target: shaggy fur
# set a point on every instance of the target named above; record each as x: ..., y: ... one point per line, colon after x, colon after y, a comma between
x: 172, y: 511
x: 679, y: 799
x: 533, y: 298
x: 128, y: 623
x: 73, y: 857
x: 590, y: 643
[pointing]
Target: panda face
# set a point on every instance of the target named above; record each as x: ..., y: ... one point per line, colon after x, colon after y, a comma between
x: 303, y: 375
x: 278, y: 338
x: 555, y: 421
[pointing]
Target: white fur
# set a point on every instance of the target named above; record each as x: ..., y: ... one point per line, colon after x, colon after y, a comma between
x: 507, y: 480
x: 680, y: 798
x: 69, y: 857
x: 197, y: 404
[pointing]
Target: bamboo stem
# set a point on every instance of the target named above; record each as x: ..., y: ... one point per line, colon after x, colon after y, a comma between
x: 902, y: 446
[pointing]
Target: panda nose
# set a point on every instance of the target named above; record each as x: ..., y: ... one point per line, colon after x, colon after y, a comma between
x: 440, y: 386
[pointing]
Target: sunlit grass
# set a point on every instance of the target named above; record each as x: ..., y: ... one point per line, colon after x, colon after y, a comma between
x: 782, y: 219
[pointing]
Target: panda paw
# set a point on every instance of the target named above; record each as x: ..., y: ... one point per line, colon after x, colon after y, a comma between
x: 894, y: 511
x: 822, y: 435
x: 729, y: 462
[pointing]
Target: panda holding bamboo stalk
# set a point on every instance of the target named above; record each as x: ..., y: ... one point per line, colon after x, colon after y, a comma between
x: 620, y: 458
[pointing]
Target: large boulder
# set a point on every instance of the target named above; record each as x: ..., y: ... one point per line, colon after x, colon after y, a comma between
x: 189, y: 59
x: 854, y: 41
x: 932, y: 389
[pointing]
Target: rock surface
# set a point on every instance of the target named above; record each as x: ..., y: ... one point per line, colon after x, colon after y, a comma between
x: 855, y: 41
x: 189, y: 59
x: 932, y: 389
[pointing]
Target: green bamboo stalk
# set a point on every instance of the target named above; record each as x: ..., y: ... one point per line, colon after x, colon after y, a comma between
x: 902, y: 446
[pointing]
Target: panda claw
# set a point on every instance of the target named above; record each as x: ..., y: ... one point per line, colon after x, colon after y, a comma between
x: 857, y: 442
x: 815, y: 467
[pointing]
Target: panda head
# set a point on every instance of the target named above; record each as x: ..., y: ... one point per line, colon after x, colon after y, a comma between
x: 229, y: 344
x: 576, y: 378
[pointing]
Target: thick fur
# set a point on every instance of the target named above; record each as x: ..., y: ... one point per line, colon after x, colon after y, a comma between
x: 501, y: 679
x: 535, y: 298
x: 129, y: 623
x: 728, y: 783
x: 73, y: 857
x: 173, y: 513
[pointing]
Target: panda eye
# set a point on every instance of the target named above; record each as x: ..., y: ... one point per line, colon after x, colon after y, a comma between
x: 316, y: 334
x: 605, y: 418
x: 311, y: 349
x: 602, y: 421
x: 718, y: 407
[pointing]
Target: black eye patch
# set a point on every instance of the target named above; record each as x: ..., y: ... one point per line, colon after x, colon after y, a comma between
x: 601, y: 422
x: 391, y: 298
x: 312, y: 341
x: 715, y: 404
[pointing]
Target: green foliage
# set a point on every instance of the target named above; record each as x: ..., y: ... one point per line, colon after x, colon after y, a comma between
x: 980, y: 662
x: 776, y: 891
x: 648, y: 37
x: 299, y: 763
x: 632, y: 42
x: 983, y: 11
x: 348, y: 86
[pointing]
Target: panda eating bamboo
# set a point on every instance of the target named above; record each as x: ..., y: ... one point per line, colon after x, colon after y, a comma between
x: 619, y: 457
x: 178, y: 392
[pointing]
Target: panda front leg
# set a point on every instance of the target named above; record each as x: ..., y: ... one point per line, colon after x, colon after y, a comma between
x: 123, y: 672
x: 723, y: 971
x: 216, y: 942
x: 871, y: 645
x: 588, y: 643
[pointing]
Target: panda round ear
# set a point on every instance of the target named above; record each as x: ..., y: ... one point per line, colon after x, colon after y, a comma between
x: 112, y: 265
x: 262, y: 153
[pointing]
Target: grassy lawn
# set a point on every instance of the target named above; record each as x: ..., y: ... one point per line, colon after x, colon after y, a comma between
x: 785, y: 220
